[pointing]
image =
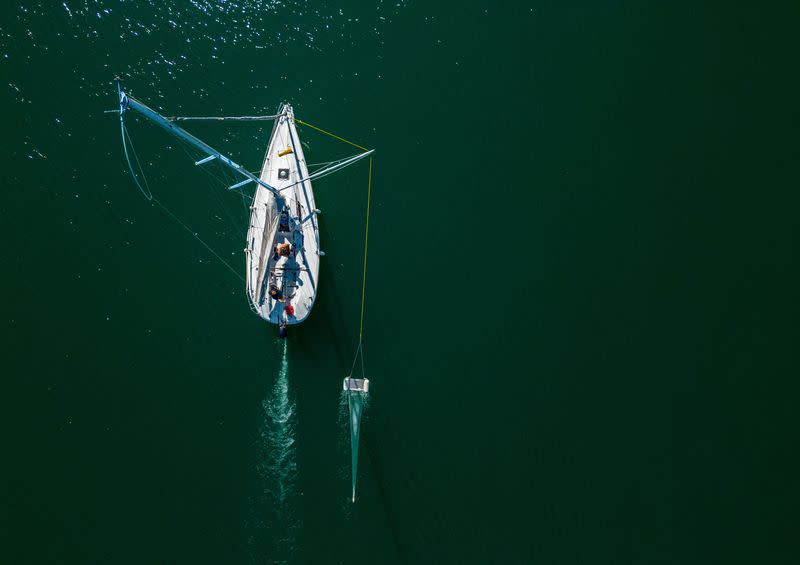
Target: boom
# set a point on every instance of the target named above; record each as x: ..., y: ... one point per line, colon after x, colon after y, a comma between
x: 128, y: 102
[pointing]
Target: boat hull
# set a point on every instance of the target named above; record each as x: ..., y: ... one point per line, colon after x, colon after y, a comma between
x: 274, y: 221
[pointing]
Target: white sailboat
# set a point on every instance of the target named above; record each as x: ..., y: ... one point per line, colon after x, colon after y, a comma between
x: 283, y: 239
x: 283, y: 248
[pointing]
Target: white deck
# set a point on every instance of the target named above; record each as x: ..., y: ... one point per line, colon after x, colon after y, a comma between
x: 297, y: 275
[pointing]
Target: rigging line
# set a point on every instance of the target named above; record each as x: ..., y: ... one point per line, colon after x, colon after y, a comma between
x: 322, y: 166
x: 355, y: 358
x: 244, y: 202
x: 149, y: 195
x: 220, y: 118
x: 322, y: 173
x: 240, y: 191
x: 216, y: 192
x: 302, y: 183
x: 198, y: 238
x: 299, y: 121
x: 182, y: 144
x: 224, y: 182
x: 146, y: 192
x: 366, y: 243
x: 233, y: 222
x: 363, y: 371
x: 325, y: 163
x: 360, y: 348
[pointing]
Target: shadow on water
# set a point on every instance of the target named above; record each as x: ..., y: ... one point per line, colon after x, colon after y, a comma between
x: 377, y: 472
x: 335, y: 319
x: 273, y: 524
x: 348, y: 442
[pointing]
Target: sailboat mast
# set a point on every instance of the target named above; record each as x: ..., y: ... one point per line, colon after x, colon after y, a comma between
x: 126, y: 102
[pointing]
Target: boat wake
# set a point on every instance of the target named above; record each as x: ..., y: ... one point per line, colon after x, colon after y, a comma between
x: 273, y: 522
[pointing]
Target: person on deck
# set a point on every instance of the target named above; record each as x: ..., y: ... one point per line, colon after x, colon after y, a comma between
x: 282, y: 250
x: 275, y: 293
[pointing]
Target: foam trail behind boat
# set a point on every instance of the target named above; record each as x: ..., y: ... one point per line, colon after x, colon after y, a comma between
x: 278, y: 433
x: 273, y: 521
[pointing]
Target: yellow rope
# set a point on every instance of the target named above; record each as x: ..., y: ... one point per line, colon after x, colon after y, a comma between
x: 299, y: 121
x: 366, y: 242
x: 366, y: 229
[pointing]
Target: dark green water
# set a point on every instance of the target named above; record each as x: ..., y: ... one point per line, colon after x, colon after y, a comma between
x: 582, y: 293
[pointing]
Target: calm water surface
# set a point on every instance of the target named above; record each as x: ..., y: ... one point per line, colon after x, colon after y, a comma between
x: 581, y: 309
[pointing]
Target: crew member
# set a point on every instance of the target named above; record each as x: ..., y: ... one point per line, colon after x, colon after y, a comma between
x: 282, y: 250
x: 275, y: 293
